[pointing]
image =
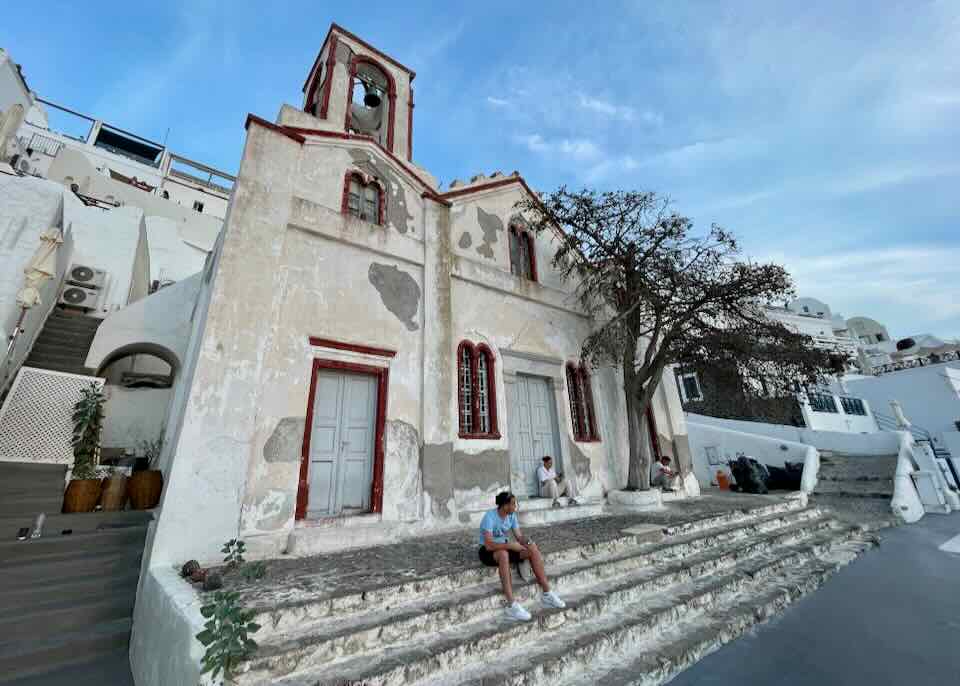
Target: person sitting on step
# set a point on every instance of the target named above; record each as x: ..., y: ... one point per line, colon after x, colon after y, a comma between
x: 497, y: 551
x: 553, y: 485
x: 664, y: 477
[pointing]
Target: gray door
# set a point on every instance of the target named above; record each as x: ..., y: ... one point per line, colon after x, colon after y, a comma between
x: 341, y: 443
x: 533, y: 431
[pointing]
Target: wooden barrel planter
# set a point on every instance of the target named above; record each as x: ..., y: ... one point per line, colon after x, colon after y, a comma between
x: 144, y: 489
x: 81, y: 495
x: 114, y: 497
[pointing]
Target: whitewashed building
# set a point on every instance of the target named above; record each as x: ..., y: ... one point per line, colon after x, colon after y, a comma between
x: 366, y: 344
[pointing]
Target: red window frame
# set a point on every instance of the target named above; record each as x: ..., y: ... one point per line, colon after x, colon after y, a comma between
x: 364, y: 183
x: 582, y: 413
x: 525, y: 237
x: 474, y: 354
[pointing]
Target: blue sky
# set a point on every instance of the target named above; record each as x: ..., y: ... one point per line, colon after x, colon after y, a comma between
x: 824, y: 134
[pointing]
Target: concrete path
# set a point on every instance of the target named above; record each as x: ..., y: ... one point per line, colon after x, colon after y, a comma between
x: 434, y: 555
x: 891, y: 618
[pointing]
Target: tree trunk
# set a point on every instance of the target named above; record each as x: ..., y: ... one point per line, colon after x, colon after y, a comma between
x: 635, y: 472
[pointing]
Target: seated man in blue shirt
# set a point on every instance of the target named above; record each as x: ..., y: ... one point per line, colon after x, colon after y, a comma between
x: 496, y: 551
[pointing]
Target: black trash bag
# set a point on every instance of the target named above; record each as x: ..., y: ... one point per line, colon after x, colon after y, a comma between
x: 784, y: 478
x: 750, y: 475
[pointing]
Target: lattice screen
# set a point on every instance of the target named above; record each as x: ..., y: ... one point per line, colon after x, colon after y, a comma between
x: 35, y: 420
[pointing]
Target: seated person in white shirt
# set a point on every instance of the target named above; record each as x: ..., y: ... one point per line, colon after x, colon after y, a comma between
x: 664, y: 477
x: 553, y: 485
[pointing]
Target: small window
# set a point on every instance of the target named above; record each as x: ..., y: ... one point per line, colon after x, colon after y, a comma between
x: 198, y: 206
x: 363, y: 198
x: 522, y: 254
x: 821, y: 402
x: 853, y: 406
x: 476, y: 391
x: 690, y: 387
x: 582, y: 414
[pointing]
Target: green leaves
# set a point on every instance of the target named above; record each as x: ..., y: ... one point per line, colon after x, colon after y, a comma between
x: 226, y: 634
x: 87, y: 423
x: 234, y: 550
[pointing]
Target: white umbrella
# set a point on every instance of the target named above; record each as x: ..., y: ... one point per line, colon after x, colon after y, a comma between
x: 42, y: 266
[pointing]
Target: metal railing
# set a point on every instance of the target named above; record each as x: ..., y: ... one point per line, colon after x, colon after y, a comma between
x: 42, y: 144
x: 925, y: 361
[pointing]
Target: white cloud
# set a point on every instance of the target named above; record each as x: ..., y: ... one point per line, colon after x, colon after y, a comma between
x: 877, y: 178
x: 608, y: 109
x: 579, y: 149
x: 497, y: 102
x: 910, y: 286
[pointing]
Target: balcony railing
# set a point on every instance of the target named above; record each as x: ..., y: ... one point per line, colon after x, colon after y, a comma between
x: 925, y: 361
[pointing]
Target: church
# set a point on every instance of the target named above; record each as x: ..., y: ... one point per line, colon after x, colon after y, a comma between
x: 372, y: 356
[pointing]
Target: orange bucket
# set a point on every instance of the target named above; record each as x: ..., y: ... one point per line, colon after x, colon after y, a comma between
x: 722, y: 481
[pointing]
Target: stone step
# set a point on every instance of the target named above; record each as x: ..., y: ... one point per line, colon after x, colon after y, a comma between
x: 19, y: 659
x: 295, y: 607
x: 547, y: 514
x: 70, y: 614
x: 596, y: 651
x: 46, y: 594
x: 108, y: 669
x: 13, y: 470
x: 30, y: 503
x: 45, y: 359
x: 856, y: 489
x: 632, y: 658
x: 630, y: 572
x: 17, y: 574
x: 56, y: 523
x: 49, y: 548
x: 591, y: 614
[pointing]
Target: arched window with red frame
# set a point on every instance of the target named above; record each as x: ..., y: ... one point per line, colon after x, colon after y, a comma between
x: 476, y: 391
x: 363, y: 198
x: 582, y: 413
x: 523, y: 254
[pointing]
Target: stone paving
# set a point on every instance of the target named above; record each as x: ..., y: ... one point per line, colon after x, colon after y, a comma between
x: 362, y: 569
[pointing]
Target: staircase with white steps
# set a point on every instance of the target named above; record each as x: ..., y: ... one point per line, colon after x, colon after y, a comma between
x: 637, y: 611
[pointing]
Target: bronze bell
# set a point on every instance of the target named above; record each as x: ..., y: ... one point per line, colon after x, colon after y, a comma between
x: 371, y: 96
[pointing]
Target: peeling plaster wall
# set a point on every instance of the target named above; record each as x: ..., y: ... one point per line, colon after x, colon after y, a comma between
x: 480, y: 231
x: 326, y: 292
x: 516, y: 322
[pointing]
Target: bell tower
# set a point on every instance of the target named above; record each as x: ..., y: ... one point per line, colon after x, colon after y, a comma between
x: 354, y: 88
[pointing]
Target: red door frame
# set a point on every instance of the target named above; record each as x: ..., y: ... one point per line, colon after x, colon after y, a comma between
x: 383, y: 381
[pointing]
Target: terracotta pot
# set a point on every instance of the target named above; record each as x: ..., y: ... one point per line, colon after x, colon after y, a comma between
x: 144, y: 489
x: 81, y: 495
x: 114, y: 496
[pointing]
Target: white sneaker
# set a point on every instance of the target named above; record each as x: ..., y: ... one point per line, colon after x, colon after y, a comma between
x: 574, y: 501
x: 557, y: 503
x: 551, y: 599
x: 517, y: 612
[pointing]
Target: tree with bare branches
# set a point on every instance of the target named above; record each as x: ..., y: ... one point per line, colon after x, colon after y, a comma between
x: 660, y: 295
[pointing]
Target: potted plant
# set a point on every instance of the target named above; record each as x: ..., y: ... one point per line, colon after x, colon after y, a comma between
x: 145, y: 486
x: 114, y: 495
x: 83, y: 491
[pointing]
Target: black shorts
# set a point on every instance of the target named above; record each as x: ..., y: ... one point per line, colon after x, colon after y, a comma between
x: 486, y: 557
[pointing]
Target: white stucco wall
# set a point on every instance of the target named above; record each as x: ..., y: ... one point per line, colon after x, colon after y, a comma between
x: 879, y: 443
x: 134, y: 415
x: 928, y: 395
x: 28, y: 207
x: 728, y: 442
x: 12, y: 89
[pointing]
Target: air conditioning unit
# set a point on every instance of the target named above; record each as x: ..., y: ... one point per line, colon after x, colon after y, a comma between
x: 78, y: 296
x: 88, y: 277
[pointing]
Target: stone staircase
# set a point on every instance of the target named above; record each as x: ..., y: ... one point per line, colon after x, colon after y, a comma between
x: 63, y: 343
x: 856, y: 476
x: 66, y: 599
x: 638, y: 611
